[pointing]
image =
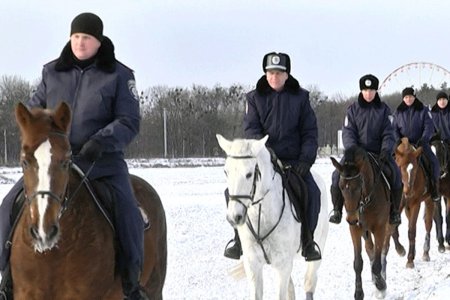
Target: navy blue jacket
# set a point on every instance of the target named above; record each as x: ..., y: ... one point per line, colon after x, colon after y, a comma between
x: 288, y: 119
x: 413, y: 122
x: 368, y: 125
x: 104, y: 104
x: 441, y: 120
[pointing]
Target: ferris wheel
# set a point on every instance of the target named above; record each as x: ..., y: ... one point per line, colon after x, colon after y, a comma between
x: 415, y: 75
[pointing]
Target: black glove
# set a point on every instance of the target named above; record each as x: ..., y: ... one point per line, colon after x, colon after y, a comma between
x: 303, y: 168
x: 92, y: 150
x: 384, y: 155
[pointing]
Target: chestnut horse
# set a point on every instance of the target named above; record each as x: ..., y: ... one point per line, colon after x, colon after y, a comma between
x: 415, y: 191
x: 441, y: 149
x: 367, y: 203
x: 63, y: 247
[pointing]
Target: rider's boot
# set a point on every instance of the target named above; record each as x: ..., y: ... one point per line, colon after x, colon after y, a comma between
x: 338, y: 203
x: 434, y: 191
x: 309, y: 250
x: 6, y: 291
x: 130, y: 284
x: 233, y: 249
x: 394, y: 216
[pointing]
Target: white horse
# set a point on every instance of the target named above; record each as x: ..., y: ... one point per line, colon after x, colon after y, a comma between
x: 260, y: 210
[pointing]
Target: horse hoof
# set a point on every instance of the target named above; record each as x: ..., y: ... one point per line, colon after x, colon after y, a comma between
x: 410, y: 265
x: 309, y: 296
x: 426, y: 257
x: 359, y: 295
x: 441, y: 248
x: 380, y: 283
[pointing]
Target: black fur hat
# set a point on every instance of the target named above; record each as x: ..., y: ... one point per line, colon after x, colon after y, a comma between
x: 276, y: 61
x: 441, y: 94
x: 368, y: 82
x: 409, y: 91
x: 88, y: 23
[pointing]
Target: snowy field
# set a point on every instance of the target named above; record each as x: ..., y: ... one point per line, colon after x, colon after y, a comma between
x: 197, y: 234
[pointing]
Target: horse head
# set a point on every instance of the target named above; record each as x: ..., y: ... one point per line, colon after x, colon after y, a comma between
x: 407, y: 159
x: 354, y: 176
x: 45, y: 158
x: 244, y: 168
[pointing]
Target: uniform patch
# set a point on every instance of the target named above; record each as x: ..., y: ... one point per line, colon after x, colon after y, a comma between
x: 246, y: 107
x: 391, y: 118
x: 346, y: 121
x: 133, y: 89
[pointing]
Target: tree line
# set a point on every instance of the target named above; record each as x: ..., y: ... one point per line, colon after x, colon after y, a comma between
x: 182, y: 122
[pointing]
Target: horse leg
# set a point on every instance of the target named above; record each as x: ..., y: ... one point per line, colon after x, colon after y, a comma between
x: 412, y: 222
x: 438, y: 221
x: 357, y: 262
x: 447, y: 220
x: 254, y: 271
x: 283, y: 279
x: 377, y: 278
x: 311, y: 277
x: 429, y: 209
x: 398, y: 246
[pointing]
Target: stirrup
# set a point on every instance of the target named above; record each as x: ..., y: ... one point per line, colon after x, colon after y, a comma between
x: 234, y: 251
x: 315, y: 257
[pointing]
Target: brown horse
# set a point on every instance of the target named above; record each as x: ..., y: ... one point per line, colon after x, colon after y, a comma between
x: 63, y: 247
x: 366, y: 200
x: 441, y: 149
x: 415, y: 191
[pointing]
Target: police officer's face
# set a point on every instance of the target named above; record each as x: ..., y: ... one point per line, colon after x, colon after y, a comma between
x: 276, y: 79
x: 409, y: 99
x: 369, y: 94
x: 84, y: 46
x: 442, y: 102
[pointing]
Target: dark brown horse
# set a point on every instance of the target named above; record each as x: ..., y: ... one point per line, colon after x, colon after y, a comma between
x: 442, y: 151
x: 63, y: 248
x: 415, y: 191
x: 366, y: 200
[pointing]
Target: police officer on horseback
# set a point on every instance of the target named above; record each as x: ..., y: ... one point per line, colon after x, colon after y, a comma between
x: 280, y: 108
x: 440, y: 113
x: 413, y: 120
x: 368, y: 125
x: 105, y: 108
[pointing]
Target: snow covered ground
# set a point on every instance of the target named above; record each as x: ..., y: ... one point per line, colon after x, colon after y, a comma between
x: 197, y: 234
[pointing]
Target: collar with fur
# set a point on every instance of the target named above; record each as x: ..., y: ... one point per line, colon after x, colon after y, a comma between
x: 291, y: 85
x: 364, y: 104
x: 436, y: 108
x: 417, y: 105
x: 105, y: 59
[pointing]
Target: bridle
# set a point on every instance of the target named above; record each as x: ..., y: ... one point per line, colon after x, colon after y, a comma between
x: 251, y: 197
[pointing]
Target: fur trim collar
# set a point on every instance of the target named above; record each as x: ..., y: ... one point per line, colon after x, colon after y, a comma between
x: 105, y: 59
x: 364, y: 104
x: 436, y: 108
x: 417, y: 105
x: 291, y: 85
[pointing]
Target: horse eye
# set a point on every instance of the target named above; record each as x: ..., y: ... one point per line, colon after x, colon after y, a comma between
x: 65, y: 164
x: 25, y: 164
x: 248, y: 175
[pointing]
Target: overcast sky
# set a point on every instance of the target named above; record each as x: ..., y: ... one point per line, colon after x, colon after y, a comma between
x: 208, y: 42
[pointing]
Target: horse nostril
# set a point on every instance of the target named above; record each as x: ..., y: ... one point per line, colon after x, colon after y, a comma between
x: 34, y: 232
x: 53, y: 232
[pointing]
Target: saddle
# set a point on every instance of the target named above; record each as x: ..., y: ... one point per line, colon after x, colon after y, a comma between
x: 293, y: 183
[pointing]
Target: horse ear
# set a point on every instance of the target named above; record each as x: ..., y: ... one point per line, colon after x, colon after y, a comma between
x: 23, y: 115
x: 336, y: 164
x: 62, y: 116
x: 259, y: 144
x: 223, y: 143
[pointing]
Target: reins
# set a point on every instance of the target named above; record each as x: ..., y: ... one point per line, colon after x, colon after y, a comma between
x: 257, y: 233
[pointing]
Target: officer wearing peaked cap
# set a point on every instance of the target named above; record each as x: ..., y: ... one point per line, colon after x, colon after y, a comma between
x: 293, y: 138
x: 367, y: 124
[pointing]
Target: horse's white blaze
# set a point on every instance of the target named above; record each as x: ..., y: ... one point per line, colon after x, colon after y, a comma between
x: 409, y: 169
x: 43, y: 157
